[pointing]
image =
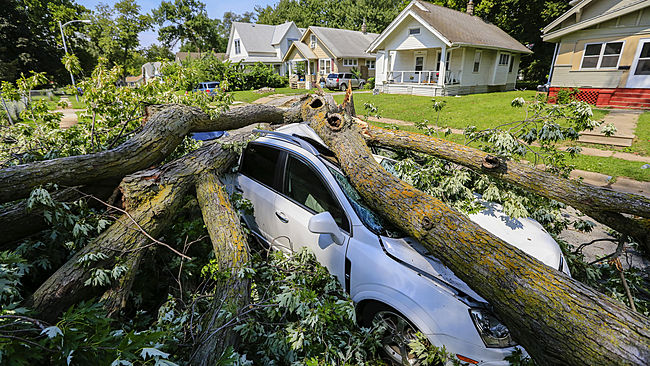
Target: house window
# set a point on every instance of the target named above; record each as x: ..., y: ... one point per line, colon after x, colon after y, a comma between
x: 446, y: 61
x: 312, y: 41
x: 290, y: 41
x: 504, y: 59
x: 602, y: 55
x: 419, y: 63
x: 477, y: 61
x: 324, y: 66
x: 237, y: 47
x: 414, y: 31
x: 350, y: 62
x: 512, y: 64
x: 370, y: 64
x: 643, y: 64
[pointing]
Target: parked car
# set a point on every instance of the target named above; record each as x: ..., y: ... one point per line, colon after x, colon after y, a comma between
x: 210, y: 87
x: 342, y: 80
x: 301, y: 198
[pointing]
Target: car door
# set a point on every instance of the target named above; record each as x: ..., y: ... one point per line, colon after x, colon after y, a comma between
x: 307, y: 192
x: 257, y: 181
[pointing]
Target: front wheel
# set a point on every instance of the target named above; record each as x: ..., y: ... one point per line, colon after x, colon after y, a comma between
x: 396, y: 337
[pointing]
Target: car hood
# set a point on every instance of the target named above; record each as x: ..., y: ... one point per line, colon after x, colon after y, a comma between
x: 524, y: 233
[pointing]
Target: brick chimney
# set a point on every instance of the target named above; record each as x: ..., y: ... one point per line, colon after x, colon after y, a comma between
x: 364, y: 27
x: 470, y: 7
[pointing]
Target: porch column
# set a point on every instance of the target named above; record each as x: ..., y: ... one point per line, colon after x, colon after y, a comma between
x: 387, y: 62
x: 308, y: 76
x: 443, y: 65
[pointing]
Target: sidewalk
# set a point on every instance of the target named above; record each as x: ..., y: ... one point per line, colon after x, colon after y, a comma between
x: 625, y: 122
x: 70, y: 117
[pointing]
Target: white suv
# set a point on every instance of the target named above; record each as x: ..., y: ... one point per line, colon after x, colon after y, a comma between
x: 302, y: 199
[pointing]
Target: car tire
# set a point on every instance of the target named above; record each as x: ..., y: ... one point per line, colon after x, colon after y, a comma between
x: 399, y: 332
x: 343, y: 87
x: 361, y: 86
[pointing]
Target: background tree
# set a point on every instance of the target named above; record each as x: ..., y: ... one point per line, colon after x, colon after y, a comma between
x: 115, y: 32
x: 347, y: 14
x: 187, y: 22
x: 157, y: 52
x: 30, y: 38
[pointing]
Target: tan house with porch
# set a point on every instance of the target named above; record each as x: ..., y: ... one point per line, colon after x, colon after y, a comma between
x: 478, y: 56
x: 603, y: 48
x: 321, y: 51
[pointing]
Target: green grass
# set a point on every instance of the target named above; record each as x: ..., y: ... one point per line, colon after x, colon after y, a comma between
x: 250, y: 95
x: 641, y: 144
x: 481, y: 110
x: 605, y: 165
x: 75, y: 104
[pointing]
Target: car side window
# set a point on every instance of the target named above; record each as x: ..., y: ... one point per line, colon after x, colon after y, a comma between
x: 304, y: 186
x: 259, y: 163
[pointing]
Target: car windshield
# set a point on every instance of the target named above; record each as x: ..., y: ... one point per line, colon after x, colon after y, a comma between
x: 370, y: 219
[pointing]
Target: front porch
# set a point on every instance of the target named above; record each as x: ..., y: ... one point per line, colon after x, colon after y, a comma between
x: 422, y: 71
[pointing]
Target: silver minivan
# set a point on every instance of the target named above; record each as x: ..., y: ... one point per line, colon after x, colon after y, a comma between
x: 341, y: 81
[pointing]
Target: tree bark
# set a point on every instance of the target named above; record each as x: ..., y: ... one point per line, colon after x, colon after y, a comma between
x: 603, y: 204
x: 159, y: 137
x: 159, y: 195
x: 17, y: 221
x: 557, y: 319
x: 231, y: 251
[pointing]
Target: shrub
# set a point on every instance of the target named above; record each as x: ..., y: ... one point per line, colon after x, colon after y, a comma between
x: 370, y: 84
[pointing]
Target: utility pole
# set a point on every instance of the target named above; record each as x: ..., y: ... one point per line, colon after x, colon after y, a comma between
x: 65, y: 47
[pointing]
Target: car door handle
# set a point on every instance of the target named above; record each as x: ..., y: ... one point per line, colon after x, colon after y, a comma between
x: 282, y: 216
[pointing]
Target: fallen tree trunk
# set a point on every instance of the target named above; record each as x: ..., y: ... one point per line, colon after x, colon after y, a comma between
x: 159, y: 137
x: 18, y: 221
x: 151, y: 198
x: 557, y: 319
x: 231, y: 251
x: 602, y: 204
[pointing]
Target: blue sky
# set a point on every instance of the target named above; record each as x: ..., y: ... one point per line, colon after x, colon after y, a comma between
x: 215, y: 9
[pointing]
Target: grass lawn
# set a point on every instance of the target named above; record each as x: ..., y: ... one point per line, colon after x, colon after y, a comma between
x: 250, y: 95
x: 480, y: 110
x: 605, y: 165
x: 75, y: 104
x: 641, y: 144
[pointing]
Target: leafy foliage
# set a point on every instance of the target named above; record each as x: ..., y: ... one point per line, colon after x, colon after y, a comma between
x: 302, y: 315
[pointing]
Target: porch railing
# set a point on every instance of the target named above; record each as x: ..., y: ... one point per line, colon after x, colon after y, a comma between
x: 422, y: 77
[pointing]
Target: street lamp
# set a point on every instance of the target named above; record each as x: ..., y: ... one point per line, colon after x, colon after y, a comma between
x: 65, y: 47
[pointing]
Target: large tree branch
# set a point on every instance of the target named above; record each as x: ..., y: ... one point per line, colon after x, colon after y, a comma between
x: 159, y: 137
x: 603, y: 204
x: 557, y: 319
x: 160, y: 195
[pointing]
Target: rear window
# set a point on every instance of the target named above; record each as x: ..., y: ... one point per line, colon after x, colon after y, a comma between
x: 342, y: 76
x: 259, y: 163
x: 213, y: 85
x: 332, y: 76
x: 348, y: 76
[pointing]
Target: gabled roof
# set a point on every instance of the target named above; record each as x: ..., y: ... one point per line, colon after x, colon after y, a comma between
x: 454, y: 28
x: 343, y: 42
x: 551, y: 31
x: 302, y: 48
x: 260, y: 38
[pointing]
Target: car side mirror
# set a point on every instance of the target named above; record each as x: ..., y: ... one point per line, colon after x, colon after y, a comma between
x: 323, y: 223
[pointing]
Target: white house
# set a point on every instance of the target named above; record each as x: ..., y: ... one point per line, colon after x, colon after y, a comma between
x: 478, y: 56
x: 252, y: 43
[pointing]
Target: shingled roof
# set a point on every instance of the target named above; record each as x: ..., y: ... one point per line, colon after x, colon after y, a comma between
x: 344, y: 42
x: 459, y: 28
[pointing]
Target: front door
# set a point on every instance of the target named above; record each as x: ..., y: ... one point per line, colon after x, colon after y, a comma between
x: 306, y: 193
x: 640, y: 71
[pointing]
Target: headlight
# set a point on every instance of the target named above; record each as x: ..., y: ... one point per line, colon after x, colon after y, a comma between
x: 492, y: 332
